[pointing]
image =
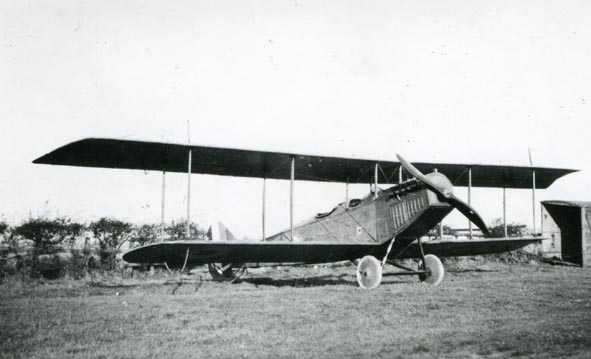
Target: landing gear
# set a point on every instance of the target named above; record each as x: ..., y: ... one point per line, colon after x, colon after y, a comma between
x: 369, y: 272
x: 221, y: 272
x: 369, y: 269
x: 430, y: 269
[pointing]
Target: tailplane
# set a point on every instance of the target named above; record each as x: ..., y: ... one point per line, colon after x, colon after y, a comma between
x: 218, y: 232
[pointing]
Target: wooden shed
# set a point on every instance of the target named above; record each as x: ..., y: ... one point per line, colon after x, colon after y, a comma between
x: 568, y: 225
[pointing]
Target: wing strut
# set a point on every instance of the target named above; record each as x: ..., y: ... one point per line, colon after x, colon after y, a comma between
x: 505, y: 212
x: 189, y: 195
x: 189, y: 170
x: 533, y: 199
x: 347, y: 194
x: 162, y: 206
x: 264, y: 206
x: 291, y: 180
x: 375, y: 190
x: 469, y: 199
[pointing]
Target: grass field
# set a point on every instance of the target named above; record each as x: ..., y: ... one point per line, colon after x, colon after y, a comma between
x: 481, y: 310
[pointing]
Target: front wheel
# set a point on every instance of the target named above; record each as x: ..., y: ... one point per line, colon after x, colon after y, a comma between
x: 369, y: 272
x: 434, y: 265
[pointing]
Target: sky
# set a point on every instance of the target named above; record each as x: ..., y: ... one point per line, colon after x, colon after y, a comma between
x: 456, y: 81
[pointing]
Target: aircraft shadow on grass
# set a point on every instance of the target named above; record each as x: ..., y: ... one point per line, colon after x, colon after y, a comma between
x: 317, y: 281
x: 471, y: 270
x: 342, y: 279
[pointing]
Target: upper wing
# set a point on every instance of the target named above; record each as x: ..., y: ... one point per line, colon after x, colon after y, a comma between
x: 469, y: 247
x: 170, y: 157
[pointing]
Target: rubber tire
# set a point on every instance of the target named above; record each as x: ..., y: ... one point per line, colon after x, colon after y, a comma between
x: 369, y: 272
x: 437, y: 271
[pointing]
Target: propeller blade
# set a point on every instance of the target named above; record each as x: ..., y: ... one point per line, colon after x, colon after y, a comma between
x: 421, y: 177
x: 447, y: 195
x: 469, y: 212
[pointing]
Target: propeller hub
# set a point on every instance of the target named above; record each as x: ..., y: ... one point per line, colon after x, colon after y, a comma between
x: 443, y: 183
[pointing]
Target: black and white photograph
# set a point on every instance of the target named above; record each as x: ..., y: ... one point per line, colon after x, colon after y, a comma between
x: 295, y: 179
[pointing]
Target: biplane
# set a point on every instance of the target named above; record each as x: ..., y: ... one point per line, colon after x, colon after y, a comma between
x: 383, y: 228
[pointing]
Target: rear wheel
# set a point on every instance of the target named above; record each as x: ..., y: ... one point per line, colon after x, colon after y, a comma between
x: 222, y: 272
x: 369, y: 272
x: 434, y: 265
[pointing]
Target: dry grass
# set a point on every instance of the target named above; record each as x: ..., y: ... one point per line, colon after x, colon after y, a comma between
x: 519, y: 310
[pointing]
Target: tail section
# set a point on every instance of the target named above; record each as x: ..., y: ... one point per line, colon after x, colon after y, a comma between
x: 218, y: 232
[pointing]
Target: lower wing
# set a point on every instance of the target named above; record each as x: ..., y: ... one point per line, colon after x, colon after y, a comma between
x: 194, y: 253
x: 202, y: 252
x: 468, y: 247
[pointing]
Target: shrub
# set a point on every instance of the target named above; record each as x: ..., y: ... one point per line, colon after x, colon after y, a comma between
x: 47, y: 234
x: 3, y: 228
x: 110, y: 234
x: 146, y: 234
x: 78, y: 265
x: 178, y: 231
x: 513, y: 230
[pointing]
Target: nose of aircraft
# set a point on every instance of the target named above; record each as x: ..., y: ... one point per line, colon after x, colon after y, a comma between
x: 442, y: 186
x: 443, y: 183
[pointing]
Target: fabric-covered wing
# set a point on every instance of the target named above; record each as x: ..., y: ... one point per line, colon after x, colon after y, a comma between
x: 473, y: 247
x: 170, y: 157
x: 202, y: 252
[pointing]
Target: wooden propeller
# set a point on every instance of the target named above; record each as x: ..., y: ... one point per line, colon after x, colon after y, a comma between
x: 445, y: 193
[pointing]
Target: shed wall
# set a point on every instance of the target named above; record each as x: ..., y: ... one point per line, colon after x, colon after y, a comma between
x: 569, y: 220
x: 552, y: 246
x: 586, y: 235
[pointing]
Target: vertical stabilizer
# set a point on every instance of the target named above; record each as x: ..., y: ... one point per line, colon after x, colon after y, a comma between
x: 218, y: 232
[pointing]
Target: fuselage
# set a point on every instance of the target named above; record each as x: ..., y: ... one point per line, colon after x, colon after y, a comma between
x: 349, y: 231
x: 405, y: 211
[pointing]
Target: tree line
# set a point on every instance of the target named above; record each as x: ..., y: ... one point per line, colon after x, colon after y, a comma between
x: 57, y: 247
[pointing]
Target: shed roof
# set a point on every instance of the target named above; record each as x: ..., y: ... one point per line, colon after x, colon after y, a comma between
x: 580, y: 204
